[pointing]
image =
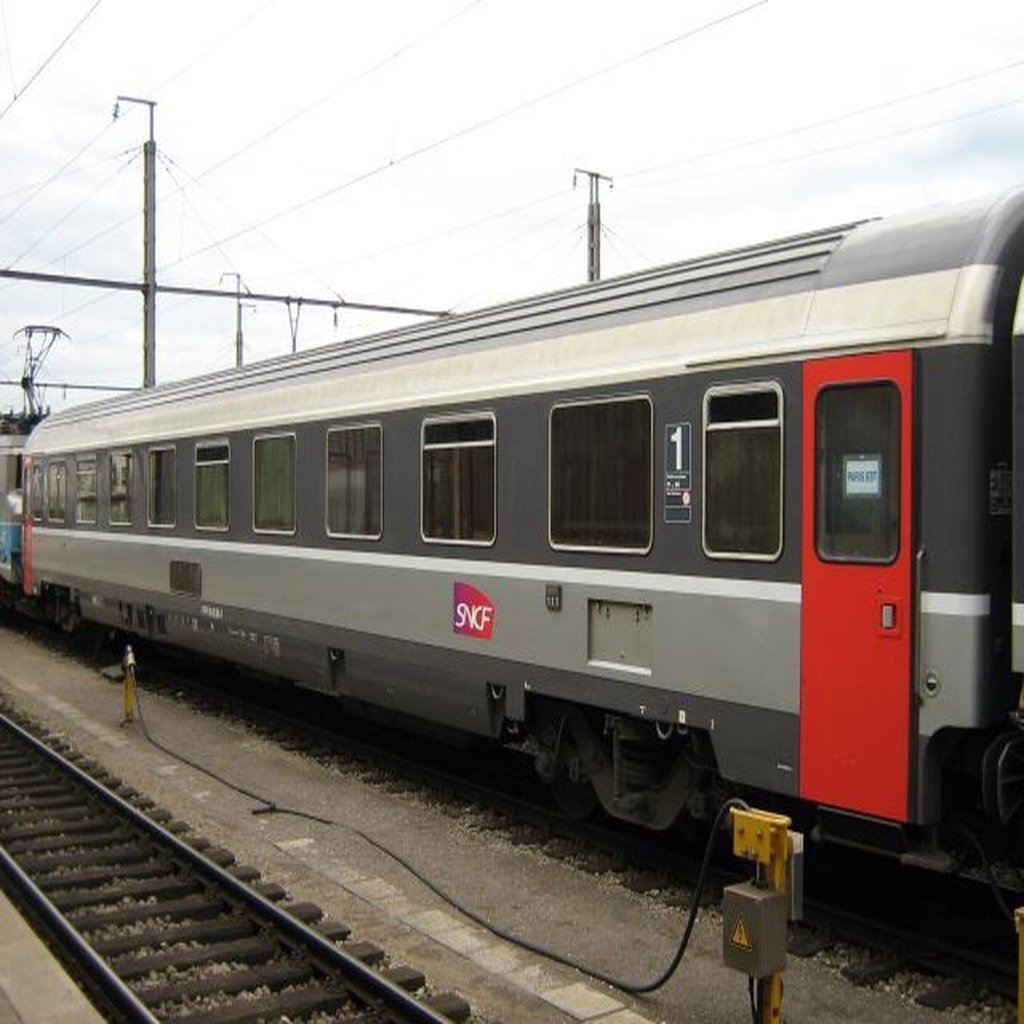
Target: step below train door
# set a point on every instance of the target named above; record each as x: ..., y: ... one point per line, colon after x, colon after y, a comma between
x: 856, y: 617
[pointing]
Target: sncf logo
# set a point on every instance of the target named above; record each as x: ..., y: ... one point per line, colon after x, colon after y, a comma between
x: 472, y: 612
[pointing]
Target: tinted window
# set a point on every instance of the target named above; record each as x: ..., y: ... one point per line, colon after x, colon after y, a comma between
x: 601, y: 475
x: 743, y: 472
x: 354, y: 482
x: 56, y: 491
x: 162, y: 511
x: 274, y: 484
x: 213, y: 462
x: 121, y: 488
x: 458, y: 480
x: 37, y: 498
x: 85, y: 490
x: 858, y: 473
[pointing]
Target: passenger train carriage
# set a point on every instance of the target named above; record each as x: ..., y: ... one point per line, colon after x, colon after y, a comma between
x: 741, y: 520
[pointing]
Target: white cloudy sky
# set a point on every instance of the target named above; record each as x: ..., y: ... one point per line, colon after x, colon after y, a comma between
x: 421, y: 152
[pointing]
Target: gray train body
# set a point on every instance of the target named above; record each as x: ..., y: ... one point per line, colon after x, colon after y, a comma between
x: 651, y: 529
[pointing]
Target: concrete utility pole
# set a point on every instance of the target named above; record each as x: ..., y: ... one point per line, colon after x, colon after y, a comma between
x: 238, y: 313
x: 593, y: 221
x: 148, y: 248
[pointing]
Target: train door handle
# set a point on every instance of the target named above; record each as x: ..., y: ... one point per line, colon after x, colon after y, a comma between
x: 889, y: 617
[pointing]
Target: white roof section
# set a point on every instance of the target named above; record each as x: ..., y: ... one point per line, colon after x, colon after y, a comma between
x: 928, y: 278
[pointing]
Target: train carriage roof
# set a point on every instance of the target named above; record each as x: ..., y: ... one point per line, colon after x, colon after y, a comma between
x: 929, y: 277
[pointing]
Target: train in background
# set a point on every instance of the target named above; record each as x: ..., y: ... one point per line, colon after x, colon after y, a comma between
x: 14, y: 431
x: 752, y: 522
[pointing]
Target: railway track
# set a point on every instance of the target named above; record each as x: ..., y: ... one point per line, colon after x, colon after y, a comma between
x: 156, y: 928
x: 947, y: 929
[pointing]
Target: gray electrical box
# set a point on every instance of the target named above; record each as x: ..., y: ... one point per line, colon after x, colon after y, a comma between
x: 754, y: 930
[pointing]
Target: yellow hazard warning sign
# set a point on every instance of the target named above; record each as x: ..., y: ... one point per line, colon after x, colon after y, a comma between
x: 740, y: 937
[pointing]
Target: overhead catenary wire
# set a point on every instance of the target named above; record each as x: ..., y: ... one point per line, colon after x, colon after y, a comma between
x: 476, y: 126
x: 826, y: 122
x: 46, y: 63
x: 337, y: 91
x: 833, y: 148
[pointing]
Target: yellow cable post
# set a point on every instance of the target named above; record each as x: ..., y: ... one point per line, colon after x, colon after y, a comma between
x: 764, y: 837
x: 1018, y: 918
x: 129, y: 686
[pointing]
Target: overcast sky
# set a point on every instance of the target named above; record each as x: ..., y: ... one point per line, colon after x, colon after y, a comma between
x: 421, y: 152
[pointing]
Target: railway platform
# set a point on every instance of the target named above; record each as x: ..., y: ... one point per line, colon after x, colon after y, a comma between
x: 34, y: 988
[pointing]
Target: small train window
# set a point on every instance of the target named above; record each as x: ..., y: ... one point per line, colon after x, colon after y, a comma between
x: 213, y: 463
x: 601, y: 475
x: 120, y: 467
x: 85, y: 490
x: 162, y: 504
x: 743, y: 472
x: 458, y: 493
x: 56, y: 491
x: 858, y: 473
x: 37, y: 494
x: 274, y: 484
x: 354, y: 482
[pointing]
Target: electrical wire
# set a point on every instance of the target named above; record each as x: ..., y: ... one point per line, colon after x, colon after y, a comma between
x: 476, y: 126
x: 829, y: 150
x: 822, y: 123
x: 327, y: 97
x: 34, y: 190
x: 132, y: 157
x: 267, y: 806
x: 46, y: 63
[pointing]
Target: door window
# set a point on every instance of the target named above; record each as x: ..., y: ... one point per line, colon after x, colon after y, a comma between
x: 858, y: 473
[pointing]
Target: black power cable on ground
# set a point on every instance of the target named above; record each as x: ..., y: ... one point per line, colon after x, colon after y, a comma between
x: 631, y: 987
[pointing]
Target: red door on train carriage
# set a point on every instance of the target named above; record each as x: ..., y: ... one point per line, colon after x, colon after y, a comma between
x: 856, y: 615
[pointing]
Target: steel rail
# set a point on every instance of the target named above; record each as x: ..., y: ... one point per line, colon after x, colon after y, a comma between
x: 364, y: 982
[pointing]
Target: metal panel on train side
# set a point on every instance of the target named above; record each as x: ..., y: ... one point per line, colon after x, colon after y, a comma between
x: 857, y: 615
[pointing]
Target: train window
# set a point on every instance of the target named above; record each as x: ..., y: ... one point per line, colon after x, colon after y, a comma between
x: 162, y: 487
x: 85, y: 490
x: 56, y: 491
x: 354, y: 482
x: 37, y: 495
x: 601, y: 475
x: 458, y: 490
x: 274, y: 484
x: 120, y: 468
x: 858, y: 473
x: 213, y: 462
x: 743, y: 472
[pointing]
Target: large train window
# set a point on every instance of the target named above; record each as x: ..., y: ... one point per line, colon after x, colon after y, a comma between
x: 213, y: 463
x: 85, y: 490
x: 120, y: 468
x: 162, y: 491
x: 858, y: 473
x: 458, y: 480
x: 56, y: 491
x: 742, y: 515
x: 601, y: 475
x: 37, y: 494
x: 274, y: 484
x: 354, y: 482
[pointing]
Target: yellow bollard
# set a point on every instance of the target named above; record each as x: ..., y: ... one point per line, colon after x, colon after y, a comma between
x: 129, y: 686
